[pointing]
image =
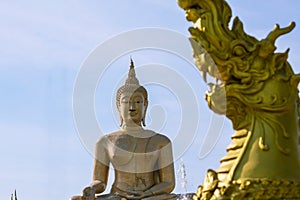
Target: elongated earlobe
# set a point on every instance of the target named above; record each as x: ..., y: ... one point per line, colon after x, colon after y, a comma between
x: 143, y: 122
x: 121, y: 121
x: 144, y: 116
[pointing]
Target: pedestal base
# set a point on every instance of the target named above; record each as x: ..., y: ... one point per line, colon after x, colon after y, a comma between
x: 254, y: 189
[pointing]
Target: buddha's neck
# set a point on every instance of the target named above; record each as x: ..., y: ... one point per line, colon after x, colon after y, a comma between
x: 137, y: 131
x: 136, y: 128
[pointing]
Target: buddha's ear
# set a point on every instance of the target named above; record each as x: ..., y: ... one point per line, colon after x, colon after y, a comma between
x: 121, y: 119
x: 146, y: 104
x: 145, y: 110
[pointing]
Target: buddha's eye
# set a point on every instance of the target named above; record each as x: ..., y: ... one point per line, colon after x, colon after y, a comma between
x: 138, y: 100
x: 124, y: 100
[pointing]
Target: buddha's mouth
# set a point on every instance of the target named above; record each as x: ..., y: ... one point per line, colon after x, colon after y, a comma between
x: 133, y: 113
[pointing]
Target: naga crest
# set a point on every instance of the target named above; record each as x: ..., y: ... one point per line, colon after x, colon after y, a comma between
x: 239, y: 62
x: 256, y: 88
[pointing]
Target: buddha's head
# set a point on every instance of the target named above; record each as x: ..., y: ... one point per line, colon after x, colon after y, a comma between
x: 132, y: 101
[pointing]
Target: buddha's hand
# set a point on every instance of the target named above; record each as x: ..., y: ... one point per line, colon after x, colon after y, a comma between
x: 132, y: 194
x: 142, y: 194
x: 128, y: 195
x: 88, y: 193
x: 123, y: 195
x: 98, y: 186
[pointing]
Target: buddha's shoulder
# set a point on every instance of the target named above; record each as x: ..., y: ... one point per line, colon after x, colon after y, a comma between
x: 158, y: 137
x: 110, y: 137
x: 114, y: 134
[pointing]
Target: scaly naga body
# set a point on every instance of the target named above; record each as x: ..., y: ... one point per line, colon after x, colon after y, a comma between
x: 256, y: 89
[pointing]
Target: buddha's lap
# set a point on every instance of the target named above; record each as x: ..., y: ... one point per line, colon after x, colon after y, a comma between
x: 154, y: 197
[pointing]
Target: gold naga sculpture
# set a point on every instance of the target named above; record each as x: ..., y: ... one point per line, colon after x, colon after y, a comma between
x: 257, y: 90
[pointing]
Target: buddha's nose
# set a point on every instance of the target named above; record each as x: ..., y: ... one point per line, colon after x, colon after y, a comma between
x: 132, y: 107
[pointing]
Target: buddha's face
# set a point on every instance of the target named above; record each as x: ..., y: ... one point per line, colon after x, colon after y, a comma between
x: 132, y: 108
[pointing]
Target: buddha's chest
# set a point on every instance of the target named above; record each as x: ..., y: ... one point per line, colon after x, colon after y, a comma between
x: 133, y: 154
x: 131, y: 144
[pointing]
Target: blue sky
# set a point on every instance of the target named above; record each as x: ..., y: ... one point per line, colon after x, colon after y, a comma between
x: 43, y: 46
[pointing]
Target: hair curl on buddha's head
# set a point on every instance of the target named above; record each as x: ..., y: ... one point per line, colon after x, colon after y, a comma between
x: 131, y: 89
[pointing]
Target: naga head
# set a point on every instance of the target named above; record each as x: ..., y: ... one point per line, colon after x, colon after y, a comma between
x: 240, y: 63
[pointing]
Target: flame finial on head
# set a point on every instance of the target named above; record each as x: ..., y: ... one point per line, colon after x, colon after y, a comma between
x: 131, y: 84
x: 131, y: 79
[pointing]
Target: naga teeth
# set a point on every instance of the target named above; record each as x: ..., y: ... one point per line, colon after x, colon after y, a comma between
x: 211, y: 86
x: 204, y: 75
x: 216, y: 80
x: 212, y: 83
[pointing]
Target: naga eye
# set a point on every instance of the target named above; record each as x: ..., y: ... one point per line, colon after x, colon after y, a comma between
x: 239, y: 50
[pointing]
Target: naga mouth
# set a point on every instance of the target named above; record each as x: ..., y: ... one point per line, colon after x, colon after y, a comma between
x: 194, y: 14
x: 208, y: 68
x: 204, y: 40
x: 186, y: 4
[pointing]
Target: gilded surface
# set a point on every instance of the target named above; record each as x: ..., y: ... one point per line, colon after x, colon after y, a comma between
x: 142, y: 159
x: 256, y: 89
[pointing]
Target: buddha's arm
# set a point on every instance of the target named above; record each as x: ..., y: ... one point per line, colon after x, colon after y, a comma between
x: 167, y: 181
x: 100, y: 177
x: 101, y: 167
x: 166, y: 172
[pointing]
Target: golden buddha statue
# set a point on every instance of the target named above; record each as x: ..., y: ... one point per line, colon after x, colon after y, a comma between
x: 142, y: 159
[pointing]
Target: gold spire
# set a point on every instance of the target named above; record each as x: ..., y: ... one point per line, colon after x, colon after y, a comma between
x: 131, y: 79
